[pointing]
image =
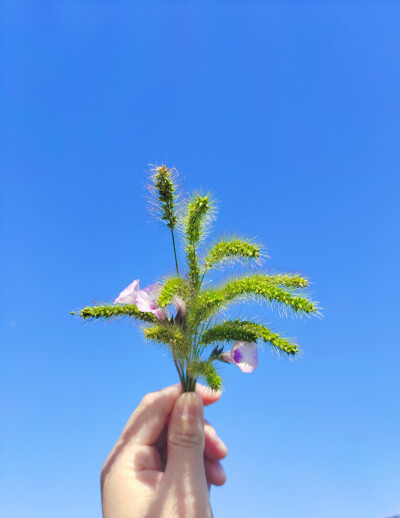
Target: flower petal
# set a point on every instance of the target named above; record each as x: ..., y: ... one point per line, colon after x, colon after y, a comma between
x: 128, y: 295
x: 242, y: 354
x: 160, y: 313
x: 179, y: 304
x: 146, y: 301
x: 226, y: 357
x: 245, y: 355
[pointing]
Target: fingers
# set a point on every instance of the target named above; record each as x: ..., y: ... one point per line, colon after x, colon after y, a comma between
x: 185, y: 441
x: 208, y: 395
x: 215, y: 473
x: 148, y: 420
x: 214, y: 448
x: 142, y: 428
x: 194, y: 447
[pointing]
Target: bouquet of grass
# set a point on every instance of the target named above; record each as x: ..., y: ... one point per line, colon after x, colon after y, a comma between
x: 185, y: 312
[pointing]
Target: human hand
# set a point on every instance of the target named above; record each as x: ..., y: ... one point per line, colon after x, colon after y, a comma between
x: 165, y: 460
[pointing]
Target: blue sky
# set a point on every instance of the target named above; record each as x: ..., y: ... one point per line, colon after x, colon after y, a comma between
x: 289, y: 112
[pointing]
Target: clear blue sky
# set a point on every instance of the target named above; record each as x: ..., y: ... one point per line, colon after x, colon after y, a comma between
x: 289, y: 112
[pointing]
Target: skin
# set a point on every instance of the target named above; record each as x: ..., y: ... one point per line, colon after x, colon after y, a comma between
x: 165, y: 460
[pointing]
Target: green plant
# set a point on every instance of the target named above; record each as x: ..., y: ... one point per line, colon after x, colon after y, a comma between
x: 189, y: 316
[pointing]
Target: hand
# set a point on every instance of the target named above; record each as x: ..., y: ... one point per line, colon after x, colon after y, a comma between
x: 165, y: 460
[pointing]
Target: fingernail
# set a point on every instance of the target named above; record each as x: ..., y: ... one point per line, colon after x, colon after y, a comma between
x: 222, y: 446
x: 189, y: 403
x: 221, y: 473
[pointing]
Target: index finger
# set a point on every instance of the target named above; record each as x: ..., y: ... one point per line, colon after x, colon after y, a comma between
x: 148, y: 420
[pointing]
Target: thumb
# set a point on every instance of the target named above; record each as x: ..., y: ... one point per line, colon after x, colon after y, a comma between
x: 186, y: 438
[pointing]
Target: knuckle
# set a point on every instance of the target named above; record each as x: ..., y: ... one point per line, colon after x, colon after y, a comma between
x: 149, y: 399
x: 186, y: 439
x: 210, y: 430
x: 103, y: 474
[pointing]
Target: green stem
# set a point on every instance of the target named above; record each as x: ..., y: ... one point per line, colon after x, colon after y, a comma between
x: 179, y: 370
x: 199, y: 349
x: 191, y: 384
x: 207, y: 325
x: 202, y: 277
x: 176, y: 259
x: 183, y: 380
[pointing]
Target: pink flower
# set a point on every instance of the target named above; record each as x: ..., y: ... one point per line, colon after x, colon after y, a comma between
x: 244, y: 355
x: 180, y: 305
x: 146, y: 301
x: 128, y: 296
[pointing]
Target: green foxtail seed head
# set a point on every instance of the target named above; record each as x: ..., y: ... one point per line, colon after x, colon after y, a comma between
x: 164, y: 190
x: 231, y: 249
x: 245, y: 331
x: 287, y: 280
x: 116, y: 311
x: 173, y: 286
x: 210, y: 301
x: 193, y: 265
x: 206, y: 370
x: 198, y: 215
x: 170, y: 335
x: 197, y: 209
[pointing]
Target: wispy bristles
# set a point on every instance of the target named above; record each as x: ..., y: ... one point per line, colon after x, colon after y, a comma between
x: 171, y: 335
x: 163, y: 188
x: 210, y: 301
x: 115, y: 311
x: 197, y: 215
x: 230, y: 249
x: 246, y: 331
x: 171, y: 287
x: 207, y: 371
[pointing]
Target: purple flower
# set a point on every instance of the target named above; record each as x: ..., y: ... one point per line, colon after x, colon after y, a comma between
x: 128, y: 296
x: 244, y: 355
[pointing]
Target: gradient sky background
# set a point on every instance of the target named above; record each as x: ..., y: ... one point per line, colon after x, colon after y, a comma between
x: 289, y: 112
